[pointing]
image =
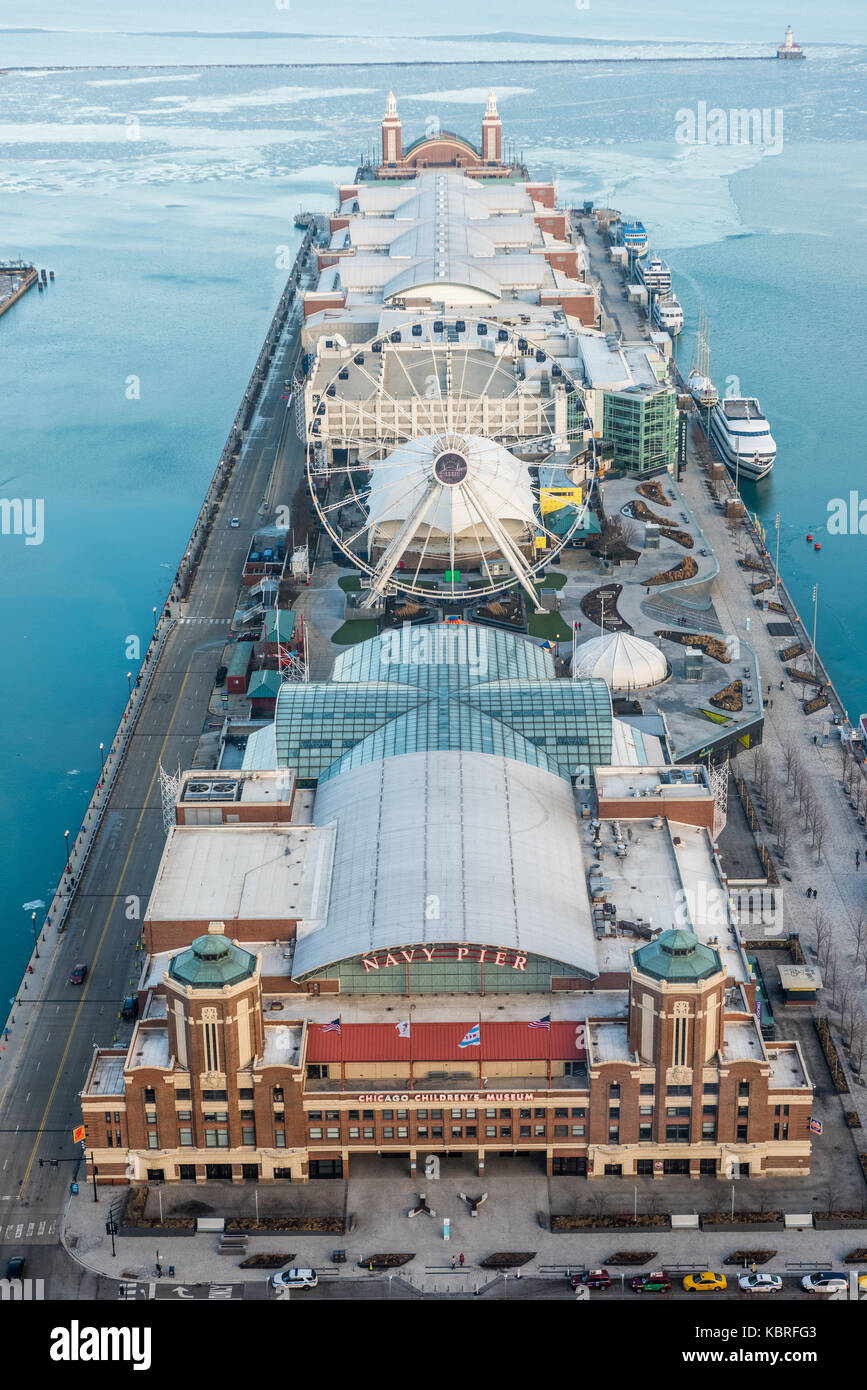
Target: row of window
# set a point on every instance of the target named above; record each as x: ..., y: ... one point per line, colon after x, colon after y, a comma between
x: 491, y: 1113
x: 456, y: 1132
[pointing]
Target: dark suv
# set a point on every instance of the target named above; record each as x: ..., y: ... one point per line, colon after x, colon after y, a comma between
x: 129, y: 1008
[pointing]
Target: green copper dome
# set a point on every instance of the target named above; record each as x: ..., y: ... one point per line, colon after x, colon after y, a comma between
x: 677, y: 955
x: 211, y: 962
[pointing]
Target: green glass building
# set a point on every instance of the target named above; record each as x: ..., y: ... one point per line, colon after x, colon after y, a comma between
x: 642, y: 426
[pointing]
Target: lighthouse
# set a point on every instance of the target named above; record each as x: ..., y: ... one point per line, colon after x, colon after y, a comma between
x: 788, y: 48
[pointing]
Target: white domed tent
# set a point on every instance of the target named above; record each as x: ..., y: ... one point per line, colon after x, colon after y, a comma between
x: 623, y: 661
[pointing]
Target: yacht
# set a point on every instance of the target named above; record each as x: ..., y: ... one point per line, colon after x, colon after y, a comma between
x: 654, y: 274
x: 634, y: 237
x: 668, y: 314
x: 743, y: 436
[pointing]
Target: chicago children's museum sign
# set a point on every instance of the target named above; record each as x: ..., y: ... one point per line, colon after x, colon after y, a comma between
x: 421, y: 955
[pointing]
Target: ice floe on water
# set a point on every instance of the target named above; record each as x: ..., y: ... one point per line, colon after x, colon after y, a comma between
x: 135, y: 81
x: 472, y: 96
x: 273, y: 96
x: 34, y: 906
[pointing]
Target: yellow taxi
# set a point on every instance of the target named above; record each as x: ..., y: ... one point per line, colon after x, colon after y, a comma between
x: 706, y: 1282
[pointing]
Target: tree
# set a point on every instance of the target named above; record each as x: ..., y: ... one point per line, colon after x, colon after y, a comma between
x: 858, y: 1042
x: 790, y: 757
x: 858, y: 936
x: 784, y: 830
x: 823, y: 937
x: 819, y: 824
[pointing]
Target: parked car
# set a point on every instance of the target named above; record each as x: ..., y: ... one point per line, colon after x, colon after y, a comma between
x: 825, y: 1282
x: 760, y: 1283
x: 651, y: 1283
x: 706, y: 1282
x: 235, y: 523
x: 222, y: 672
x: 79, y: 975
x: 15, y: 1267
x: 592, y: 1279
x: 129, y: 1008
x: 295, y: 1279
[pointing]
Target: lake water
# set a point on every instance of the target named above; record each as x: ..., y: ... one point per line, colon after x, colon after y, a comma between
x: 164, y: 200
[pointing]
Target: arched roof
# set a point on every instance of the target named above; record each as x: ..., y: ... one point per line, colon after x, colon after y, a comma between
x: 492, y: 842
x: 495, y: 478
x: 437, y: 275
x: 444, y: 143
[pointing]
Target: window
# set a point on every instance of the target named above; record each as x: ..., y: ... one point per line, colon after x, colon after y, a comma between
x: 524, y: 1114
x: 707, y: 1166
x: 248, y: 1114
x: 613, y: 1170
x: 577, y: 1114
x: 421, y: 1114
x: 678, y: 1111
x: 524, y: 1131
x: 777, y: 1130
x: 573, y: 1068
x: 335, y: 1115
x: 644, y: 1168
x: 316, y: 1132
x: 187, y: 1172
x: 742, y: 1134
x: 421, y: 1131
x: 153, y: 1140
x: 708, y: 1129
x: 709, y: 1109
x: 679, y: 1090
x: 317, y: 1071
x: 214, y: 1095
x: 436, y: 1114
x: 245, y: 1093
x: 505, y: 1114
x: 645, y: 1134
x: 540, y: 1113
x: 182, y: 1095
x: 387, y: 1133
x: 117, y: 1137
x: 457, y: 1132
x: 367, y: 1114
x: 278, y: 1093
x: 109, y: 1142
x: 578, y: 1131
x: 436, y: 1132
x: 280, y: 1138
x: 471, y: 1114
x: 388, y: 1114
x: 472, y: 1131
x: 353, y: 1114
x: 505, y: 1131
x: 402, y: 1131
x: 490, y: 1131
x: 332, y: 1132
x: 614, y: 1134
x: 743, y: 1088
x: 677, y: 1134
x: 456, y: 1114
x: 711, y: 1088
x: 248, y: 1135
x: 490, y: 1114
x: 561, y: 1114
x: 151, y: 1117
x: 185, y: 1114
x: 150, y: 1097
x: 353, y: 1131
x: 646, y: 1089
x: 401, y: 1114
x: 785, y: 1129
x: 560, y: 1131
x: 614, y: 1090
x: 218, y: 1115
x: 314, y: 1114
x: 117, y: 1115
x: 185, y: 1138
x: 645, y: 1109
x: 108, y: 1115
x: 368, y: 1132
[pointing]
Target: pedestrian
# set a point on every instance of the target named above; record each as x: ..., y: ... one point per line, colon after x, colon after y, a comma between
x: 454, y: 1262
x: 770, y: 704
x: 857, y: 859
x: 461, y: 1261
x: 815, y: 738
x: 815, y: 894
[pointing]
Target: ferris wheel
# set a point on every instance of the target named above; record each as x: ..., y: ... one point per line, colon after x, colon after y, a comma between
x: 441, y: 454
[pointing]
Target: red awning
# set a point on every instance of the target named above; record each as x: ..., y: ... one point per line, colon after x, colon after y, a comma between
x: 439, y: 1042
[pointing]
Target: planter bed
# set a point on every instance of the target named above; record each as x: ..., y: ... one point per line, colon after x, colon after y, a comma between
x: 385, y: 1261
x: 856, y: 1257
x: 841, y: 1221
x: 711, y: 646
x: 687, y: 569
x: 630, y: 1257
x: 507, y: 1259
x: 749, y: 1257
x: 608, y: 1223
x: 275, y: 1261
x: 835, y: 1066
x: 655, y: 492
x: 768, y: 1222
x: 302, y: 1225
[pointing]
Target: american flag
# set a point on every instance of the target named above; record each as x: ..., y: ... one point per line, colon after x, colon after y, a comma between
x: 541, y: 1022
x: 332, y: 1027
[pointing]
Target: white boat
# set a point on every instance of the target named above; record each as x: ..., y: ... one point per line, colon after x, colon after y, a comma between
x: 743, y: 436
x: 654, y: 274
x: 668, y: 314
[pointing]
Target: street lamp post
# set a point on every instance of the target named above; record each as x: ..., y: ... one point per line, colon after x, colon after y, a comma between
x: 129, y: 683
x: 815, y: 615
x: 93, y: 1175
x: 777, y: 562
x: 101, y: 765
x: 35, y: 935
x: 66, y: 838
x: 155, y: 620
